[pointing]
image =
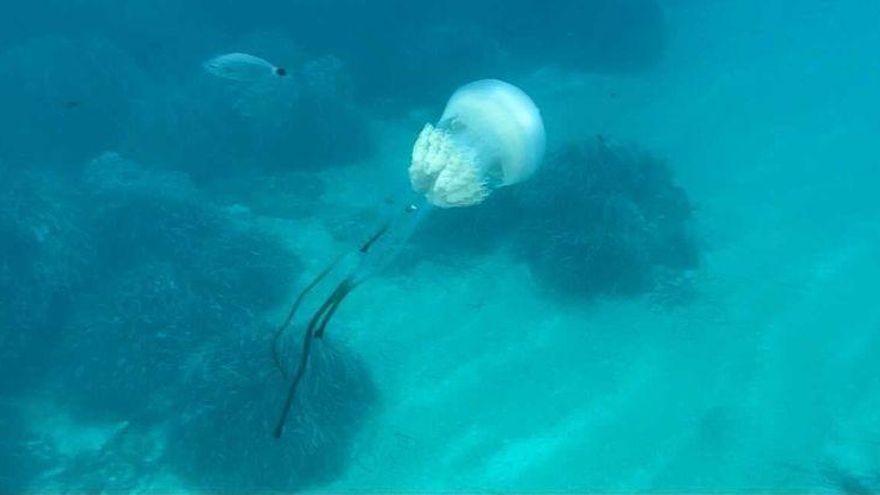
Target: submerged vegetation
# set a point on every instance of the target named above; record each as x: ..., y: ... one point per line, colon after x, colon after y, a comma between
x: 606, y: 219
x: 154, y: 297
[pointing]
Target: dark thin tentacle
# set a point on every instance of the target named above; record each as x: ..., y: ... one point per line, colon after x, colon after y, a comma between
x: 279, y: 332
x: 304, y: 358
x: 345, y: 291
x: 375, y: 237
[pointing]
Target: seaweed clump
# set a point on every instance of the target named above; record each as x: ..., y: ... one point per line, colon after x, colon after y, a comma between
x: 227, y: 444
x: 44, y: 257
x: 605, y: 219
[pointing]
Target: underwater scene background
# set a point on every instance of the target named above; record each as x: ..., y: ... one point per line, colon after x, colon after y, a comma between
x: 683, y: 298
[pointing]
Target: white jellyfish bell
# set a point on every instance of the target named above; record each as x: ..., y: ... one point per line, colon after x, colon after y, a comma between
x: 490, y: 135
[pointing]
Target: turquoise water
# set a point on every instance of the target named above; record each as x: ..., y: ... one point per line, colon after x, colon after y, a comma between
x: 681, y: 299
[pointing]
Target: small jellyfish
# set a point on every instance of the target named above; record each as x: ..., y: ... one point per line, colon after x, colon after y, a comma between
x: 243, y: 67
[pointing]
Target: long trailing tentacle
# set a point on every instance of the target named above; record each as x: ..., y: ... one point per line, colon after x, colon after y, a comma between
x: 344, y: 290
x: 375, y: 237
x: 370, y: 262
x: 279, y: 332
x: 318, y: 318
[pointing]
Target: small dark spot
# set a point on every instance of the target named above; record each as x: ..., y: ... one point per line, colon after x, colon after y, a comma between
x: 71, y: 104
x: 280, y: 71
x: 613, y: 95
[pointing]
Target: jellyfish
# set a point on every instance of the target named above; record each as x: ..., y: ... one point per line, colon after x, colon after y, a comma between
x: 490, y: 135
